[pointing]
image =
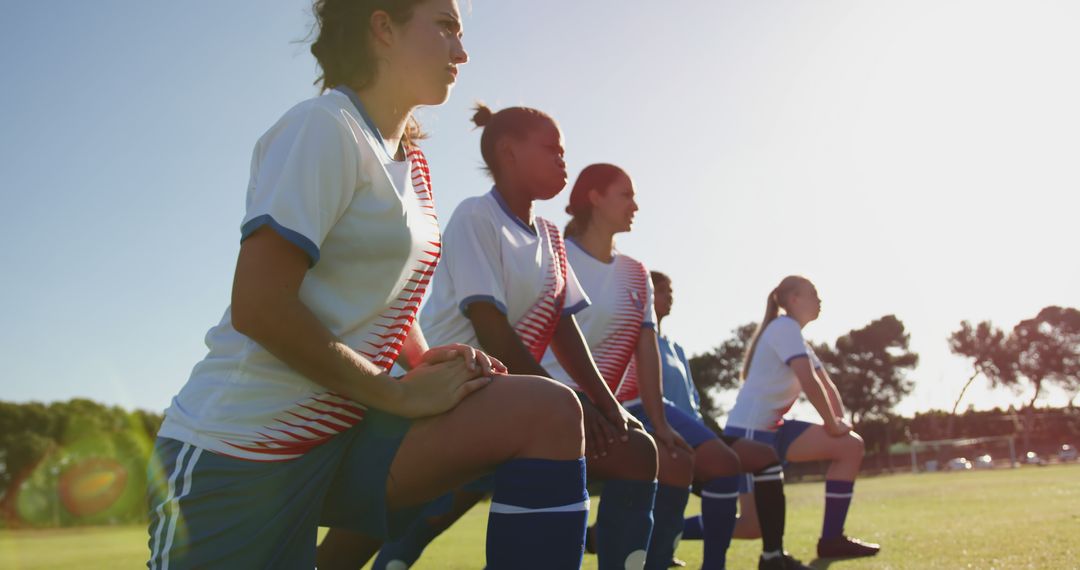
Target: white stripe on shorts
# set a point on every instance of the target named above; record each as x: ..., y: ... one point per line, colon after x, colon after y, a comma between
x: 711, y: 495
x: 172, y: 524
x: 160, y: 510
x: 504, y: 509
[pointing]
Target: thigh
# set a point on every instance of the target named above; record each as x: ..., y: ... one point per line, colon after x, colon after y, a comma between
x: 714, y: 459
x: 493, y: 425
x: 754, y: 455
x: 815, y: 444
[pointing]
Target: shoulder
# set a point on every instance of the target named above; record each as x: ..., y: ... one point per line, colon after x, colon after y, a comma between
x: 783, y: 327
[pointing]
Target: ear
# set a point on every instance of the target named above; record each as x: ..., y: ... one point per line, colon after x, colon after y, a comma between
x: 381, y: 28
x: 504, y: 151
x: 595, y: 195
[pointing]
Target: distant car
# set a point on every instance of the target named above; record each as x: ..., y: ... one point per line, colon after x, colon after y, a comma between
x: 984, y: 461
x: 1032, y: 458
x: 958, y: 464
x: 1067, y: 453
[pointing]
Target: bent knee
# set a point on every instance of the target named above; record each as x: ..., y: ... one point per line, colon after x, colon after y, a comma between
x: 714, y: 461
x: 553, y: 410
x: 637, y: 457
x: 855, y: 445
x: 676, y: 471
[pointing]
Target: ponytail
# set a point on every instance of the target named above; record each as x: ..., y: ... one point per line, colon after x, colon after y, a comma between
x: 772, y: 311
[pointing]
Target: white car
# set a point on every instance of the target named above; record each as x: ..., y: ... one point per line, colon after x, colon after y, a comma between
x: 984, y: 462
x: 958, y: 464
x: 1067, y: 453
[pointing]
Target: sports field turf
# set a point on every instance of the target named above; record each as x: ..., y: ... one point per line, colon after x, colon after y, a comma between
x: 1005, y: 518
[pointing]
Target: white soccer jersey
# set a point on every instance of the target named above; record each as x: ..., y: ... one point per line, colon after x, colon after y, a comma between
x: 622, y: 304
x: 771, y: 386
x: 489, y: 254
x: 321, y: 178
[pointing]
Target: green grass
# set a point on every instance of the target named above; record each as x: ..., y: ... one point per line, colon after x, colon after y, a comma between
x: 1008, y: 518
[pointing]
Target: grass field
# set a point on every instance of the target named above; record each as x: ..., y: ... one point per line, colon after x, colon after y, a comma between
x: 1008, y: 518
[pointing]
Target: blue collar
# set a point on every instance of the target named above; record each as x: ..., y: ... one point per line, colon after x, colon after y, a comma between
x: 506, y: 210
x: 348, y: 92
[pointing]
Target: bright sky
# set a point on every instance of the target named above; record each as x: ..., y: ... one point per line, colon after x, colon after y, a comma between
x: 915, y: 158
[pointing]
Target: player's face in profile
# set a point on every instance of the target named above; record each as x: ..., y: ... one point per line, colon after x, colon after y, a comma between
x: 664, y: 297
x: 616, y: 205
x: 431, y: 50
x: 539, y: 160
x: 806, y: 301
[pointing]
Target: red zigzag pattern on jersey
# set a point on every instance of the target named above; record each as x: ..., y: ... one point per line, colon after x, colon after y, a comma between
x: 316, y: 420
x: 537, y: 326
x: 614, y: 355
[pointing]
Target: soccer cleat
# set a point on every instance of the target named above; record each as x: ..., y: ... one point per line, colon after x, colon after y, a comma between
x: 785, y: 562
x: 845, y: 547
x: 590, y: 540
x: 676, y: 563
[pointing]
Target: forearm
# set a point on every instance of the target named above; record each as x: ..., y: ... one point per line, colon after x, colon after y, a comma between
x: 833, y: 394
x: 649, y: 381
x: 499, y: 339
x: 815, y: 390
x: 573, y: 354
x: 287, y: 329
x: 413, y: 348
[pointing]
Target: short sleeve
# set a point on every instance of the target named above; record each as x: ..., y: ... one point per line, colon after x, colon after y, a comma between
x: 576, y: 299
x: 815, y: 362
x: 785, y: 339
x: 303, y: 176
x: 471, y: 253
x: 649, y: 319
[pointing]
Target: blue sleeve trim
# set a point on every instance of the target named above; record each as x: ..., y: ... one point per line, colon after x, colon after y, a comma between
x: 791, y: 358
x: 464, y: 304
x: 648, y: 325
x: 296, y: 238
x: 577, y: 308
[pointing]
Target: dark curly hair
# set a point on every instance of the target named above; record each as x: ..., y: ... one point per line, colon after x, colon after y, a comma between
x: 516, y: 122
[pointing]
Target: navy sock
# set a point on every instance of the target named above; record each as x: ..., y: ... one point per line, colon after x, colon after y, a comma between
x: 837, y: 501
x: 538, y: 515
x: 771, y: 507
x: 624, y: 524
x: 692, y: 528
x: 405, y: 551
x: 719, y: 501
x: 667, y: 525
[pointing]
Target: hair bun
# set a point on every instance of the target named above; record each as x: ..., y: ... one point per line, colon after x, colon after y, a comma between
x: 570, y: 209
x: 482, y: 116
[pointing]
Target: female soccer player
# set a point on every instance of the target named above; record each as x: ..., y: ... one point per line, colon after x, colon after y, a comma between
x: 292, y: 419
x: 620, y: 328
x: 504, y: 284
x: 779, y: 365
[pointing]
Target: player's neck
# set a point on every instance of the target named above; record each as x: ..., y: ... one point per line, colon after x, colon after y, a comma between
x: 597, y: 242
x: 518, y: 201
x: 388, y: 114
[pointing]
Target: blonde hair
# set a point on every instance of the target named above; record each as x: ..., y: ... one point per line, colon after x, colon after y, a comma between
x: 777, y: 298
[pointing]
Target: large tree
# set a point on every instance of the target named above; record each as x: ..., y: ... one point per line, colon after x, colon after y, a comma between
x: 870, y: 366
x: 1047, y: 348
x: 719, y: 369
x: 991, y: 354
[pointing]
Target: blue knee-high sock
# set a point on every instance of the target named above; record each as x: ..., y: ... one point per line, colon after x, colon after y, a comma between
x: 624, y: 523
x: 837, y: 501
x: 538, y: 515
x: 719, y: 498
x: 667, y: 525
x: 405, y: 551
x: 692, y: 528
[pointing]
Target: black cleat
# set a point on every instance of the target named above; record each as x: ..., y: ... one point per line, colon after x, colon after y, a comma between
x: 783, y: 562
x: 590, y: 539
x: 845, y: 547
